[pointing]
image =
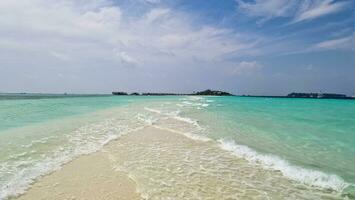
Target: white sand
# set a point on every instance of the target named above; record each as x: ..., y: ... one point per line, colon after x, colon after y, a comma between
x: 165, y: 165
x: 88, y: 177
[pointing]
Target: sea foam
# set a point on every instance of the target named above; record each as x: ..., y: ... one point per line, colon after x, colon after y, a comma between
x: 84, y: 140
x: 152, y: 110
x: 187, y: 120
x: 272, y: 162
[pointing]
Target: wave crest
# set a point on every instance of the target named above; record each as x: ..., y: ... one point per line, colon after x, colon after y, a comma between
x: 302, y: 175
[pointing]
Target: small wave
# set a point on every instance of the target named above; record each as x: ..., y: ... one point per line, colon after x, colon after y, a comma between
x: 193, y: 98
x: 152, y: 110
x: 40, y: 141
x: 187, y: 103
x: 147, y: 120
x: 85, y: 140
x: 173, y: 114
x: 187, y: 120
x: 186, y: 134
x: 20, y: 155
x: 302, y: 175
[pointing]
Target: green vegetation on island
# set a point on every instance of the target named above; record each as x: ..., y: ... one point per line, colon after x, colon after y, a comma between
x: 205, y: 92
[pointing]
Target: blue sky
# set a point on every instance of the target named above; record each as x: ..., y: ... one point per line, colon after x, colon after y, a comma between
x: 246, y: 47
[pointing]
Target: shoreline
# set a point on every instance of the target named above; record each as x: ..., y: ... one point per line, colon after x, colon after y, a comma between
x: 105, y: 174
x: 93, y: 170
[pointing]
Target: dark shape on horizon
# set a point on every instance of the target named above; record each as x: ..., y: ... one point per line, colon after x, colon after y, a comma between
x: 306, y: 96
x: 205, y: 92
x: 213, y: 93
x: 119, y: 93
x: 318, y: 95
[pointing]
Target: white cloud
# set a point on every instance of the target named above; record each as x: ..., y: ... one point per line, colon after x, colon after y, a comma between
x: 156, y: 14
x: 99, y: 41
x: 246, y: 67
x: 317, y: 8
x: 347, y: 42
x: 300, y: 10
x: 266, y: 9
x: 125, y: 58
x: 95, y: 31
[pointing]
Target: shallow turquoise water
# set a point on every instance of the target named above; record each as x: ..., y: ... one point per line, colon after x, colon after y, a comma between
x: 308, y: 140
x: 17, y: 112
x: 317, y: 134
x: 22, y: 110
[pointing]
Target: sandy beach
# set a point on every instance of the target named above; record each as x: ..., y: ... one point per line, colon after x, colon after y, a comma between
x: 88, y: 177
x: 155, y: 163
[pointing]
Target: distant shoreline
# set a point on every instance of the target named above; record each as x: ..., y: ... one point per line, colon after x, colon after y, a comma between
x: 23, y: 95
x: 222, y: 93
x: 205, y: 93
x: 305, y: 96
x: 286, y: 97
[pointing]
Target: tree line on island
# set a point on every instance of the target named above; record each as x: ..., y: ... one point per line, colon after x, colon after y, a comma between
x: 222, y: 93
x: 205, y: 92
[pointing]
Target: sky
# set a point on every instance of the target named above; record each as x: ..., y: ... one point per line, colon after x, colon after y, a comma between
x: 253, y: 47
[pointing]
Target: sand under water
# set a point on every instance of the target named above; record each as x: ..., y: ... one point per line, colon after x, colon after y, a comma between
x: 156, y: 163
x: 175, y: 148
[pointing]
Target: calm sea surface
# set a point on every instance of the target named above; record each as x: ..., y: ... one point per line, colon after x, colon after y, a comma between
x: 308, y: 141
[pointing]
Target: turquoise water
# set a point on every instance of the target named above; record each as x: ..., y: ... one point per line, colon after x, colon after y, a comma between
x: 319, y: 134
x: 19, y: 112
x: 308, y: 140
x: 315, y: 134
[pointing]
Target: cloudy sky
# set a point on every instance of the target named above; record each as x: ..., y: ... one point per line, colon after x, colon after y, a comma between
x: 243, y: 46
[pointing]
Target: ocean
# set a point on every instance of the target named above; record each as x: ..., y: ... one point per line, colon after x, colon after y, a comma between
x: 303, y: 146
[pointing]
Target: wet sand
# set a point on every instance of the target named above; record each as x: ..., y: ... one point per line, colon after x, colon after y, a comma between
x: 88, y: 177
x: 155, y: 163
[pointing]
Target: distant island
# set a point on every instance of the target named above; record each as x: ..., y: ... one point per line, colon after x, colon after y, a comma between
x: 222, y: 93
x: 205, y: 92
x: 318, y: 95
x: 308, y: 96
